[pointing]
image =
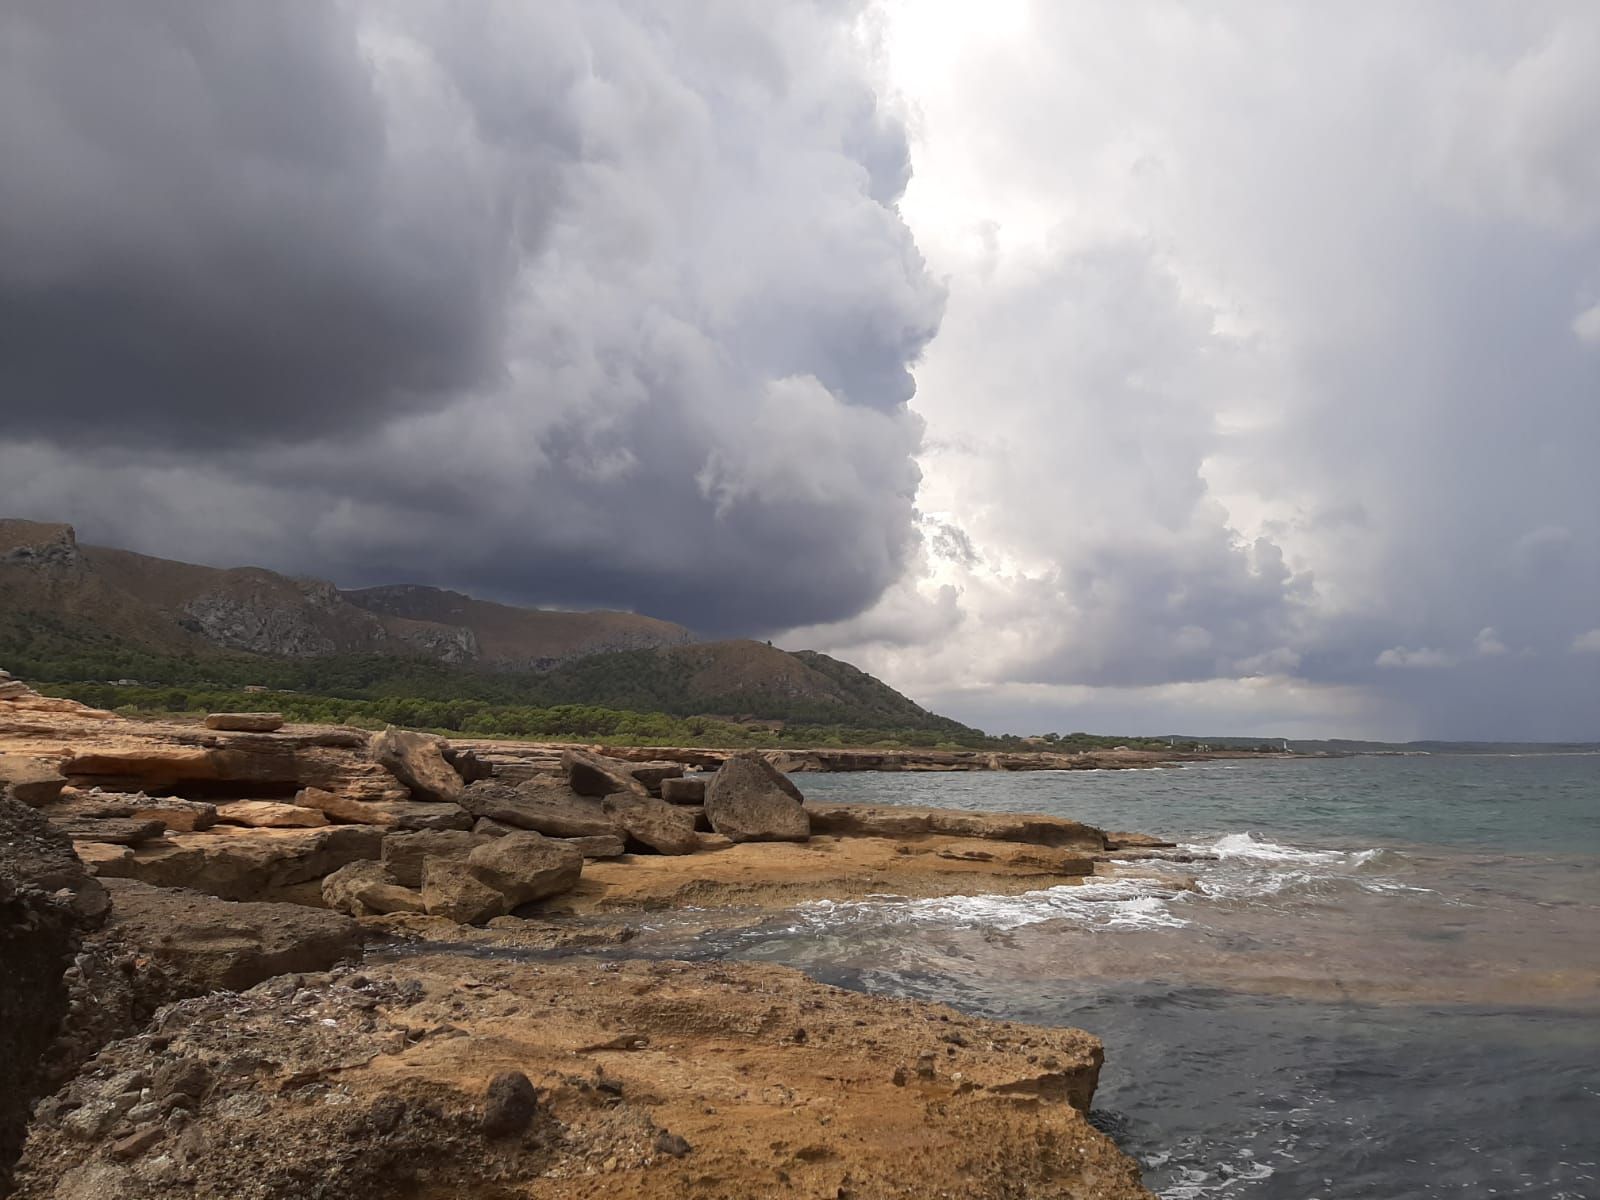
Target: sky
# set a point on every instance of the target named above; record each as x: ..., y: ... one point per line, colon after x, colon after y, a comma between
x: 1171, y: 367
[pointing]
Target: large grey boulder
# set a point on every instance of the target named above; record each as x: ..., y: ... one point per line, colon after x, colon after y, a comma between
x: 750, y: 800
x: 417, y: 760
x: 550, y: 808
x: 653, y: 823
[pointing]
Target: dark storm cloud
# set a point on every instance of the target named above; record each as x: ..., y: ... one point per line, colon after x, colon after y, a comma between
x: 577, y: 303
x: 207, y: 235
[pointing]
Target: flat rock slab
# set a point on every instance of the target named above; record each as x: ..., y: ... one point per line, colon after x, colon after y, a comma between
x: 253, y: 722
x: 34, y: 781
x: 235, y: 863
x: 778, y: 875
x: 904, y: 821
x: 269, y: 814
x: 210, y: 943
x: 118, y: 831
x: 183, y: 815
x: 549, y: 807
x: 654, y: 1081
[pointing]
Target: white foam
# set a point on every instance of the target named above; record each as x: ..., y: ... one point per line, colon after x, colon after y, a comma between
x: 1113, y: 905
x: 1247, y: 846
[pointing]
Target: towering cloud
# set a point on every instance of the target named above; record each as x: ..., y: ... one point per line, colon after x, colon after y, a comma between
x: 598, y: 302
x: 1268, y: 385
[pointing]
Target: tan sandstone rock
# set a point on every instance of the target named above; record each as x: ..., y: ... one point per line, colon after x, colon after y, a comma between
x: 525, y: 867
x: 269, y: 814
x: 368, y: 889
x: 450, y: 889
x: 403, y: 853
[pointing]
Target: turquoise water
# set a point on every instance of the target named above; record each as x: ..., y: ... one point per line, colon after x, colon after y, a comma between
x: 1515, y: 804
x: 1380, y: 980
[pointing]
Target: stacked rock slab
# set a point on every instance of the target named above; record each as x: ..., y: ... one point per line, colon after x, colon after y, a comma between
x: 547, y: 807
x: 749, y: 800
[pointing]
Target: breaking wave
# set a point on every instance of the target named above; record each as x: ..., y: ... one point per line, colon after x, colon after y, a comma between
x: 1235, y: 867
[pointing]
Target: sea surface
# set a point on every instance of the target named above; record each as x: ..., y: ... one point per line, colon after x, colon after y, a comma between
x: 1381, y: 978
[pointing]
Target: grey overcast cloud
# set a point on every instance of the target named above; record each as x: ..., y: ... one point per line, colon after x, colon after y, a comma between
x: 1209, y: 368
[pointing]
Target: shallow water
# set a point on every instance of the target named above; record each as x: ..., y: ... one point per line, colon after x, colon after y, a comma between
x: 1385, y: 983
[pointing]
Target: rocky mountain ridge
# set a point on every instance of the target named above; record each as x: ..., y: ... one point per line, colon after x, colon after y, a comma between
x: 170, y: 605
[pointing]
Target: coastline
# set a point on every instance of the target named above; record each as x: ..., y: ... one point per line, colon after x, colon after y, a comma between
x: 209, y: 868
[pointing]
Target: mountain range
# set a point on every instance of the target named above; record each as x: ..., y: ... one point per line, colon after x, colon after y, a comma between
x: 71, y: 611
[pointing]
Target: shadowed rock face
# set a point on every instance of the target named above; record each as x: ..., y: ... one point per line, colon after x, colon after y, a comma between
x: 47, y: 903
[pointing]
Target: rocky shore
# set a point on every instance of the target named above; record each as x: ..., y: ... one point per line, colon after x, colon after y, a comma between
x: 189, y: 1012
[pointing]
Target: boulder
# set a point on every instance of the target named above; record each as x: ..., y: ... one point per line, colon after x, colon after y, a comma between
x: 269, y: 814
x: 403, y: 853
x: 365, y: 889
x: 34, y: 781
x: 683, y: 791
x: 525, y: 867
x: 209, y: 944
x: 253, y: 722
x: 552, y: 809
x: 653, y: 823
x: 417, y: 760
x: 451, y: 890
x: 653, y: 775
x: 591, y: 775
x: 749, y: 800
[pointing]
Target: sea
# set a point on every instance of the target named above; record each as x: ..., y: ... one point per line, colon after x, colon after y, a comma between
x: 1378, y: 979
